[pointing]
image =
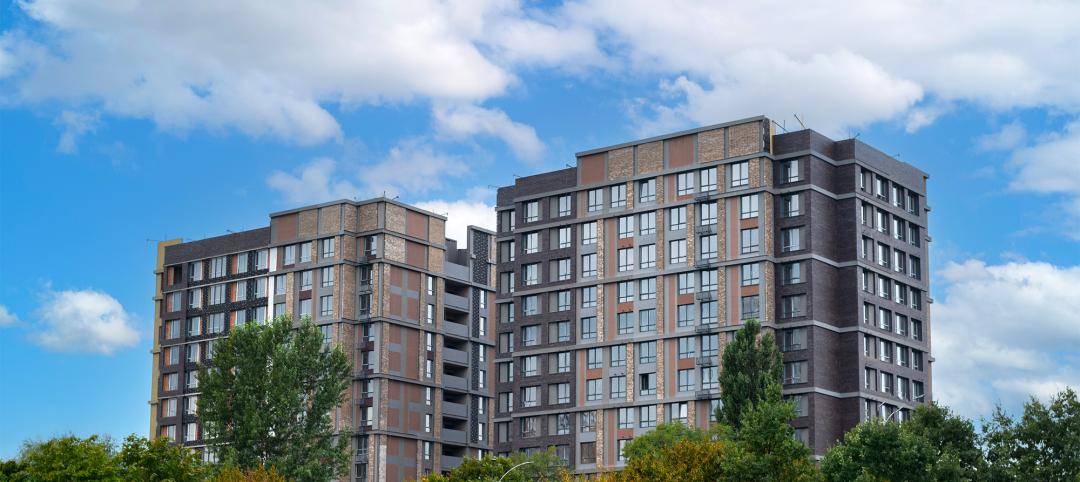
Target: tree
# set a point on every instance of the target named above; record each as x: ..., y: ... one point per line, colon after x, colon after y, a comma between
x: 665, y: 435
x: 767, y: 436
x: 955, y: 443
x: 260, y: 474
x: 68, y: 458
x: 687, y: 461
x: 880, y: 451
x: 159, y: 460
x: 750, y: 364
x: 267, y: 397
x: 1043, y: 445
x: 542, y: 466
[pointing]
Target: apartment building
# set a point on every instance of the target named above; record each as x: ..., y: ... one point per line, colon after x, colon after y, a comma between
x: 413, y: 310
x: 621, y: 280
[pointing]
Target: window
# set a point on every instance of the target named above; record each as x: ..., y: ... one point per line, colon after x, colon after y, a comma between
x: 559, y: 331
x: 196, y: 270
x: 290, y: 254
x: 532, y: 211
x: 791, y: 239
x: 686, y: 380
x: 563, y: 205
x: 532, y: 242
x: 191, y: 432
x: 260, y: 287
x: 305, y: 280
x: 647, y: 191
x: 677, y: 218
x: 789, y: 171
x: 626, y: 227
x: 588, y: 421
x: 647, y: 416
x: 625, y: 291
x: 305, y: 252
x: 795, y: 372
x: 594, y: 358
x: 790, y: 205
x: 279, y: 309
x: 588, y: 452
x: 647, y: 223
x: 749, y: 241
x: 918, y: 392
x: 685, y: 283
x: 794, y: 339
x: 618, y: 196
x: 620, y: 445
x: 305, y: 308
x: 748, y: 206
x: 194, y: 326
x: 172, y: 329
x: 617, y: 387
x: 677, y: 412
x: 217, y: 294
x: 685, y: 316
x: 677, y: 251
x: 559, y: 362
x: 740, y: 174
x: 530, y: 335
x: 596, y: 200
x: 751, y: 274
x: 708, y: 312
x: 708, y: 246
x: 588, y: 265
x: 647, y: 384
x: 588, y: 328
x: 647, y: 256
x: 216, y: 322
x: 625, y: 322
x: 686, y: 347
x: 563, y: 238
x: 532, y: 274
x: 173, y: 303
x: 791, y: 273
x: 594, y: 389
x: 708, y: 179
x: 217, y: 267
x: 530, y: 426
x: 506, y: 281
x: 588, y: 233
x: 647, y: 320
x: 626, y: 259
x: 647, y: 289
x: 646, y: 352
x: 327, y: 247
x: 192, y: 379
x: 562, y: 300
x: 792, y: 306
x: 559, y: 393
x: 886, y: 384
x: 684, y: 183
x: 916, y: 330
x: 529, y: 396
x: 588, y: 297
x: 625, y: 418
x: 618, y: 355
x: 710, y: 346
x: 326, y: 276
x: 749, y: 307
x: 371, y: 245
x: 708, y: 213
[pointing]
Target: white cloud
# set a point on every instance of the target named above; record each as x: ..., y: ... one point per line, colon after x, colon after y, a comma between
x: 462, y: 213
x: 1004, y: 332
x: 272, y: 69
x: 73, y: 125
x: 1010, y: 136
x: 7, y: 317
x: 464, y: 120
x: 1052, y: 166
x: 84, y: 321
x: 845, y: 63
x: 409, y: 168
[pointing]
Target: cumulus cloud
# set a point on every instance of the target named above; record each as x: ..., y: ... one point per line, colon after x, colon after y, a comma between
x: 271, y: 70
x: 412, y: 167
x: 7, y: 317
x: 464, y: 121
x: 84, y: 321
x: 1004, y: 332
x: 1052, y: 166
x: 1010, y: 136
x: 72, y: 126
x: 475, y: 209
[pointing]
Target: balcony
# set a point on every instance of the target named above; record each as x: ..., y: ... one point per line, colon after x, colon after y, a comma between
x: 706, y: 394
x: 456, y: 271
x: 706, y: 328
x: 453, y: 355
x: 453, y: 436
x: 706, y: 229
x: 455, y: 329
x: 706, y: 361
x: 454, y: 382
x: 705, y: 195
x: 705, y: 262
x: 454, y: 409
x: 456, y: 302
x: 705, y: 295
x: 449, y: 462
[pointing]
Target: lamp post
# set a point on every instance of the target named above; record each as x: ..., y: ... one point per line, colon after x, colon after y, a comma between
x: 894, y: 412
x: 512, y: 469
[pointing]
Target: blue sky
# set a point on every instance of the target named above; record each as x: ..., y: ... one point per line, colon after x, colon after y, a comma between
x: 122, y: 125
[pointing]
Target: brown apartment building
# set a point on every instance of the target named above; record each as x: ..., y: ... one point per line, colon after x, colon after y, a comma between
x: 621, y: 280
x: 413, y: 310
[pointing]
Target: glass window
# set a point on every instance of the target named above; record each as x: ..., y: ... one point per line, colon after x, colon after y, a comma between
x: 564, y: 205
x: 708, y: 213
x: 740, y: 174
x: 647, y: 256
x: 588, y: 265
x: 588, y: 327
x: 647, y: 190
x: 791, y: 239
x: 588, y: 233
x: 677, y: 218
x: 532, y: 211
x: 677, y: 251
x: 596, y: 200
x: 647, y: 223
x: 563, y: 237
x: 618, y: 196
x: 751, y: 274
x: 791, y: 273
x: 749, y: 241
x: 685, y: 315
x: 748, y: 206
x: 626, y: 226
x: 646, y: 352
x: 684, y: 183
x: 708, y: 179
x: 790, y: 205
x: 789, y: 170
x: 750, y: 307
x: 647, y: 320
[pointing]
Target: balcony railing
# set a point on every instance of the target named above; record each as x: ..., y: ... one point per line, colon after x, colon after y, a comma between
x: 705, y: 295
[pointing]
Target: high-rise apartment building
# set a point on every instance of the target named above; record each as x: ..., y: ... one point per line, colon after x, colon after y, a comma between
x: 413, y: 310
x: 621, y: 280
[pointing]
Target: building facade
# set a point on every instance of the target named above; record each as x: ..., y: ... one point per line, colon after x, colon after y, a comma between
x: 621, y: 280
x: 413, y: 310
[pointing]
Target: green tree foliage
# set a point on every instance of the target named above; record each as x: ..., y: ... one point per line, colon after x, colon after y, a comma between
x: 159, y: 460
x: 665, y: 435
x: 67, y: 458
x: 1043, y: 445
x: 879, y: 452
x: 767, y: 436
x: 955, y: 442
x: 267, y: 398
x: 542, y: 466
x: 751, y: 363
x: 260, y: 474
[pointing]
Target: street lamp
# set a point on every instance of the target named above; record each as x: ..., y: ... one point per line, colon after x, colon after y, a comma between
x: 881, y: 405
x: 512, y: 469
